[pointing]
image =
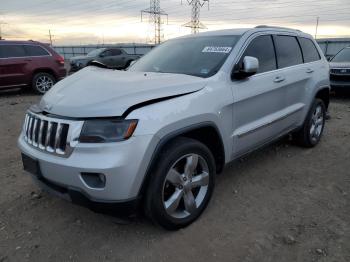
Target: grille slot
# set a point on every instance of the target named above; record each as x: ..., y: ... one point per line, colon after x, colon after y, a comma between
x: 48, y: 134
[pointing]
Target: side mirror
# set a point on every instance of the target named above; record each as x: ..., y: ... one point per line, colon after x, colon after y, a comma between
x: 102, y: 55
x: 248, y: 67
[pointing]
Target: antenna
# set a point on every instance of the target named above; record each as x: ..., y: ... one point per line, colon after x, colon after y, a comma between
x: 155, y: 17
x: 195, y: 24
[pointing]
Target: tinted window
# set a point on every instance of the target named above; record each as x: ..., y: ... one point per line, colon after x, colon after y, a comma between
x: 262, y: 48
x: 34, y: 50
x: 116, y: 52
x: 107, y: 53
x: 9, y: 51
x: 342, y: 56
x: 309, y: 50
x: 288, y: 51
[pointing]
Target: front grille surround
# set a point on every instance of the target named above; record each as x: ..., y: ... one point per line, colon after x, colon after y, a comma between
x: 52, y: 135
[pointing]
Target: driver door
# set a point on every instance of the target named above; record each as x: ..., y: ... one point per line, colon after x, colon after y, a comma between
x: 259, y: 100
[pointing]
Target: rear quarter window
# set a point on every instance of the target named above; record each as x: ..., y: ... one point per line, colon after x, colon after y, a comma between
x: 309, y: 50
x: 35, y: 50
x: 288, y: 51
x: 12, y: 51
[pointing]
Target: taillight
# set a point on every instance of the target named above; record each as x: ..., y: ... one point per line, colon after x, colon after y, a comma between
x: 60, y: 60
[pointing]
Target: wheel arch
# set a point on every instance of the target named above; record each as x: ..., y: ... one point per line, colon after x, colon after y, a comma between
x: 206, y: 133
x: 323, y: 94
x: 44, y: 70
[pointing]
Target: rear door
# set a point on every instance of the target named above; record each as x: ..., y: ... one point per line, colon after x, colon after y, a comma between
x: 13, y: 66
x: 259, y: 100
x: 296, y: 77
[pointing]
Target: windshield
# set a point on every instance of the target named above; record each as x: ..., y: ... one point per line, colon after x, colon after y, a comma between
x: 95, y: 52
x: 342, y: 56
x: 197, y: 56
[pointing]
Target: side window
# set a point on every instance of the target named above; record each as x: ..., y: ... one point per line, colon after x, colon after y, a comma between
x: 288, y: 51
x: 11, y: 51
x: 107, y: 53
x: 35, y: 50
x: 116, y: 52
x: 262, y: 49
x: 309, y: 50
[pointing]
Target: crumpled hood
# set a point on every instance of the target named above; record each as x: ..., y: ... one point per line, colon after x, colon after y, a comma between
x: 99, y: 92
x: 339, y: 65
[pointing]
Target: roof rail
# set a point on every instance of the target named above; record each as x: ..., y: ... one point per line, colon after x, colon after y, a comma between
x: 277, y: 27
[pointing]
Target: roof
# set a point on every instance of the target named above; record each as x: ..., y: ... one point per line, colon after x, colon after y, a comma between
x: 20, y: 42
x: 241, y: 31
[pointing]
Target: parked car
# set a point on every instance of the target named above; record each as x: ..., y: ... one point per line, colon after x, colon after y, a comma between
x: 340, y: 70
x: 111, y: 57
x: 29, y: 63
x: 154, y: 136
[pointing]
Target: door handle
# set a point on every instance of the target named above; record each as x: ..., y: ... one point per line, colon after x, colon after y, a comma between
x: 279, y: 79
x: 309, y: 70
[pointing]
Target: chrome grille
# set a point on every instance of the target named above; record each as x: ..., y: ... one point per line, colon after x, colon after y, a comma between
x: 52, y: 135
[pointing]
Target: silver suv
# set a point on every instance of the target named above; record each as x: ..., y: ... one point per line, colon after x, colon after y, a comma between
x: 153, y: 137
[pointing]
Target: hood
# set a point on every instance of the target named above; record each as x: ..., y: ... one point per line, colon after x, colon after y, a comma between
x: 339, y: 65
x: 77, y: 58
x: 99, y: 92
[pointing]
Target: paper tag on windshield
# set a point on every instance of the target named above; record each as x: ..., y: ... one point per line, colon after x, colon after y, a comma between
x: 217, y: 49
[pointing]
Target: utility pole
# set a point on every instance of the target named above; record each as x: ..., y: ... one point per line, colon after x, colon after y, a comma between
x: 317, y: 21
x: 195, y: 24
x: 155, y: 18
x: 51, y: 36
x: 1, y: 24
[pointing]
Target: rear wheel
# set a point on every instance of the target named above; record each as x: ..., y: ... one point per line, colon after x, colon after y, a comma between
x: 42, y: 82
x: 312, y: 130
x: 181, y: 185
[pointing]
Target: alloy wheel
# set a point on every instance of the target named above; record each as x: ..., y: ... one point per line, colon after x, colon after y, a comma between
x: 44, y: 83
x: 185, y: 186
x: 317, y: 123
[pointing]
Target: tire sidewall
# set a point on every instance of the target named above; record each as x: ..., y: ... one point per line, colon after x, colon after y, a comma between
x: 316, y: 103
x: 166, y: 161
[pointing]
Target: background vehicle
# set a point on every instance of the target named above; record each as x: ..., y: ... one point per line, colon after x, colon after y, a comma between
x: 156, y: 134
x: 340, y: 70
x: 111, y: 57
x: 29, y: 63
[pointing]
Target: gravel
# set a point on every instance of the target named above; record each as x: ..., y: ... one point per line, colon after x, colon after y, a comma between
x: 283, y: 203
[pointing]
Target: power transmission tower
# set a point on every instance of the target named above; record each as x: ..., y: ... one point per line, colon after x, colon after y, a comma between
x: 195, y: 24
x: 155, y: 18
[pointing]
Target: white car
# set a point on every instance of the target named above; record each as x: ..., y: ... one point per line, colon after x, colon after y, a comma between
x: 153, y: 137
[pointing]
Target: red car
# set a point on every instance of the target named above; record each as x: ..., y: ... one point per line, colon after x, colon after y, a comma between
x: 29, y: 63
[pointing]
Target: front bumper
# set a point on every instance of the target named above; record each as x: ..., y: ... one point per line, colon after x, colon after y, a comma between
x: 124, y: 165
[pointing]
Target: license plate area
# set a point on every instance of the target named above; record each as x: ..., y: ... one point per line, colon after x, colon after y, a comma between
x: 31, y: 165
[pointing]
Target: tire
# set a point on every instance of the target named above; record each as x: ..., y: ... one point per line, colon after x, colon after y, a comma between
x: 185, y: 188
x: 42, y: 82
x: 311, y: 132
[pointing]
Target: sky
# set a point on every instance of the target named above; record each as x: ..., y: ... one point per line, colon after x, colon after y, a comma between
x: 119, y: 21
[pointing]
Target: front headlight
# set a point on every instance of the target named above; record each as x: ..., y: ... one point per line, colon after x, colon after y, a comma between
x: 107, y: 130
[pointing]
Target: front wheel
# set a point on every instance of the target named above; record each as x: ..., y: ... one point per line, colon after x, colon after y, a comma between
x: 181, y: 185
x: 311, y: 132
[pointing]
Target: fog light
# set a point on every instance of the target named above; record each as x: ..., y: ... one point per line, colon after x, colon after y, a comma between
x: 94, y: 180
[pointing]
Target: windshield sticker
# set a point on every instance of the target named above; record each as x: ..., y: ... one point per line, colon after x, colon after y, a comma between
x: 217, y: 49
x: 204, y: 71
